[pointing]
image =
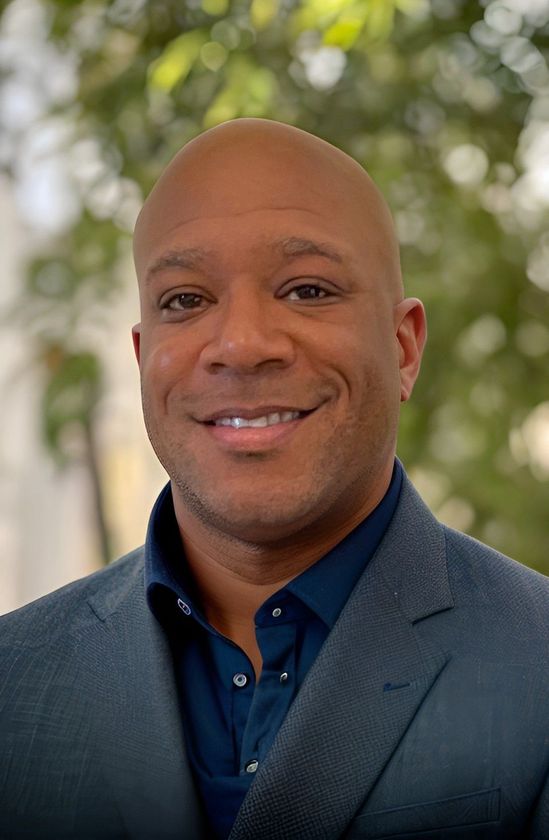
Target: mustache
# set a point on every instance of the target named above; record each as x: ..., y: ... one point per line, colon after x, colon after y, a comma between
x: 205, y: 405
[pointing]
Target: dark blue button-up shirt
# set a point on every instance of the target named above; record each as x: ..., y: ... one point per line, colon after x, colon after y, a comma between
x: 229, y: 719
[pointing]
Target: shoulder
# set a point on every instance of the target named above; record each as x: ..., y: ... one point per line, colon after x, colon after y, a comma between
x: 92, y: 597
x: 427, y: 548
x: 501, y: 607
x: 473, y: 598
x: 493, y: 576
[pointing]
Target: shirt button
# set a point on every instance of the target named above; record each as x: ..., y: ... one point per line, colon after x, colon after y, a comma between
x: 283, y: 677
x: 252, y: 766
x: 183, y: 606
x: 276, y: 612
x: 240, y: 680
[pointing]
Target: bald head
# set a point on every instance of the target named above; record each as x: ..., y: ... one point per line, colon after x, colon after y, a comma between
x: 248, y: 164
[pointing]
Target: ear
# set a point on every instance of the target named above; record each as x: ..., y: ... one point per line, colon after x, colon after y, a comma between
x: 411, y: 334
x: 136, y: 338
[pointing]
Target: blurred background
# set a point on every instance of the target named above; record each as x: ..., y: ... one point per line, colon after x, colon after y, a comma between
x: 446, y: 103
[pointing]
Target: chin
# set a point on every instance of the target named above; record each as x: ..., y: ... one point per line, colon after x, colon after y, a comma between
x: 252, y: 516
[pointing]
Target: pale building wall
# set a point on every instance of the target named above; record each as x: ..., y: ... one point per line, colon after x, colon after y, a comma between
x: 47, y: 535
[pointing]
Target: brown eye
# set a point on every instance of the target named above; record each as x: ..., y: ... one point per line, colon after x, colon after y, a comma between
x: 308, y: 291
x: 186, y: 300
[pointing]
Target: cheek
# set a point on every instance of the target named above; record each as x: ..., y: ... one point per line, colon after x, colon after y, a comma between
x: 164, y: 360
x: 164, y: 366
x: 355, y: 360
x: 372, y: 371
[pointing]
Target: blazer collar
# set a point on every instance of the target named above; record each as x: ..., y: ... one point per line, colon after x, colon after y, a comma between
x: 360, y: 695
x: 136, y: 719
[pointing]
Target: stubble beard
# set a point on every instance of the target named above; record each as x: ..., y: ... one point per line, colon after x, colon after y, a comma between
x: 282, y: 512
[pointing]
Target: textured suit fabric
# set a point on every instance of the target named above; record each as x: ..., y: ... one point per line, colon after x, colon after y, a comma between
x: 425, y: 714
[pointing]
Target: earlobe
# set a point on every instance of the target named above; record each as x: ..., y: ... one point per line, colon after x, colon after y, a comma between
x: 411, y: 333
x: 136, y: 338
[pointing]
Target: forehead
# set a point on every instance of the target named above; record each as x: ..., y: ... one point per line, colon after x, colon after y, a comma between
x: 285, y: 248
x: 262, y: 240
x: 254, y: 193
x: 205, y: 227
x: 235, y: 191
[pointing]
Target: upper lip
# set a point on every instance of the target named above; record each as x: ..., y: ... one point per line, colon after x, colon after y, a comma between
x: 248, y: 413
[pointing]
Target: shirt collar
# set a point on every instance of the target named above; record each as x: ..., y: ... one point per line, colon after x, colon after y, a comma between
x: 324, y: 587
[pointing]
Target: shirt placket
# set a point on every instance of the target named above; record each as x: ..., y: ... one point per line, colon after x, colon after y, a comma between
x: 273, y: 693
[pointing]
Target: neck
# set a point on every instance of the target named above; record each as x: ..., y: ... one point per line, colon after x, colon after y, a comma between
x: 233, y: 577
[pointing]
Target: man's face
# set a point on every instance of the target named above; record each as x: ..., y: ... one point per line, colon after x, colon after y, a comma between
x: 268, y: 349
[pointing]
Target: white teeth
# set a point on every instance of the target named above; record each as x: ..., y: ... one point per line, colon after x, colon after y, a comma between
x: 257, y: 422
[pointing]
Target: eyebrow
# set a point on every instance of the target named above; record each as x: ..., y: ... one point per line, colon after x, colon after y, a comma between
x: 289, y: 246
x: 190, y: 258
x: 294, y: 246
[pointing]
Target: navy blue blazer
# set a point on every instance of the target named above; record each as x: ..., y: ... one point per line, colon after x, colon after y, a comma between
x: 425, y: 715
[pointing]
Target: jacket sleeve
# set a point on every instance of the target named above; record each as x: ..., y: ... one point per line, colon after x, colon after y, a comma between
x: 540, y: 820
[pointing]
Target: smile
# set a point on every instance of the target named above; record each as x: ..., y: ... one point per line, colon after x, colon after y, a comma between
x: 270, y: 419
x: 247, y: 430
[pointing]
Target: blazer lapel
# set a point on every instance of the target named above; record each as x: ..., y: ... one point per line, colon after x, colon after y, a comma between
x: 361, y: 694
x: 137, y: 722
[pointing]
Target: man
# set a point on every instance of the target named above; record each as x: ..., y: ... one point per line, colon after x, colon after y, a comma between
x: 301, y: 650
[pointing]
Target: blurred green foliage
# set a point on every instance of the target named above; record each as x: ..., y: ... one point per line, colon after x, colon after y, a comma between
x: 443, y: 103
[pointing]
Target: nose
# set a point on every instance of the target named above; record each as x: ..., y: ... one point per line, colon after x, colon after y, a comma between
x: 248, y: 335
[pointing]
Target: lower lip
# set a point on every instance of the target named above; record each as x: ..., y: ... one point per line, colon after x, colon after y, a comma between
x: 254, y: 439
